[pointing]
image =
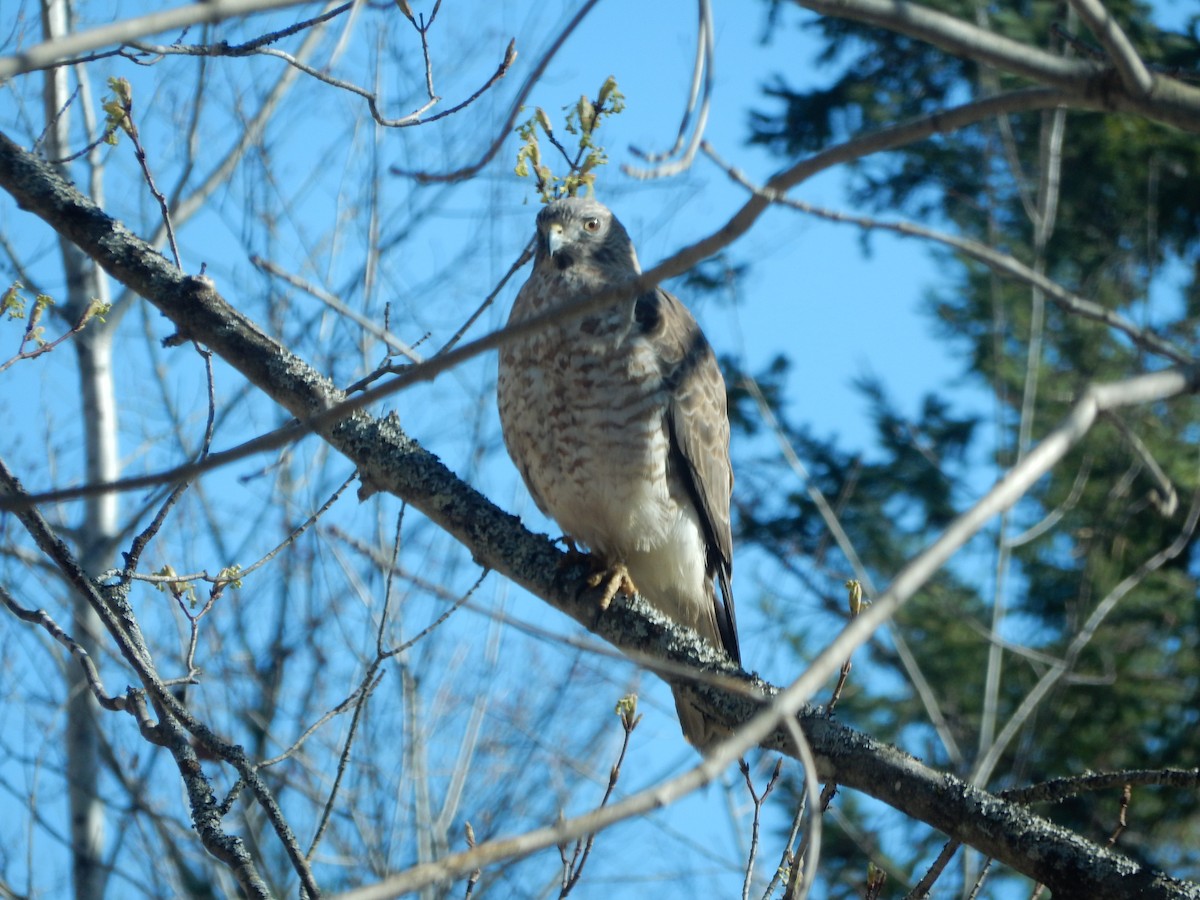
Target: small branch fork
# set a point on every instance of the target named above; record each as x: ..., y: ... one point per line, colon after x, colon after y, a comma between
x: 757, y: 800
x: 702, y: 85
x: 1125, y: 59
x: 89, y: 313
x: 137, y: 51
x: 573, y: 867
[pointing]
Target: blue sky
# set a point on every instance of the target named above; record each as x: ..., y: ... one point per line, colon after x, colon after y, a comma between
x: 810, y: 293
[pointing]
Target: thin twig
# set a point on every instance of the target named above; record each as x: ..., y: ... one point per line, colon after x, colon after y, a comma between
x: 1060, y: 789
x: 1166, y: 499
x: 1122, y: 815
x: 983, y: 874
x: 64, y: 50
x: 23, y: 354
x: 56, y: 631
x: 525, y: 256
x: 702, y: 81
x: 473, y: 878
x: 985, y: 765
x: 999, y: 262
x: 333, y: 712
x: 757, y: 800
x: 787, y: 859
x: 515, y: 111
x: 131, y: 129
x: 573, y: 869
x: 339, y: 306
x: 922, y: 888
x: 141, y: 541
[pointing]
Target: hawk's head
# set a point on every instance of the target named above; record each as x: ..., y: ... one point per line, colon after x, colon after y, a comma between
x: 579, y: 233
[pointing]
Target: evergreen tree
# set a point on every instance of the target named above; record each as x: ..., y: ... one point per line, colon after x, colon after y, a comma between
x: 1108, y: 208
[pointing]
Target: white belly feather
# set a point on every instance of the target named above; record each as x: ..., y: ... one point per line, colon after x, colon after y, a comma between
x: 593, y: 424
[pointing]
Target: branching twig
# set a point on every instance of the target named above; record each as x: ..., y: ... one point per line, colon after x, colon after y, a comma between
x: 1055, y: 673
x: 573, y: 868
x: 514, y: 111
x: 141, y: 541
x: 1002, y: 263
x: 702, y: 82
x: 788, y: 859
x: 61, y: 51
x: 337, y: 305
x: 757, y: 800
x: 56, y: 631
x: 90, y: 312
x: 175, y: 721
x: 372, y: 98
x: 120, y: 111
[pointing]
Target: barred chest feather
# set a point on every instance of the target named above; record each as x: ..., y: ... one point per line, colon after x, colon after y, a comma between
x: 586, y: 404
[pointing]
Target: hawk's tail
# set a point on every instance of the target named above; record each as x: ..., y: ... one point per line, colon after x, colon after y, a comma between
x: 699, y: 729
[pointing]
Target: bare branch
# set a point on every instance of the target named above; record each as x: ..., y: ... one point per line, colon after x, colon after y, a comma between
x: 1087, y: 82
x: 514, y: 112
x: 702, y: 82
x: 757, y: 801
x: 338, y: 306
x: 372, y: 97
x: 56, y: 631
x: 49, y: 53
x: 999, y: 262
x: 1134, y: 74
x: 1060, y: 789
x: 988, y: 761
x: 121, y: 624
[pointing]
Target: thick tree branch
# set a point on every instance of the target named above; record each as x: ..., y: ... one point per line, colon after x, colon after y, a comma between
x: 388, y: 459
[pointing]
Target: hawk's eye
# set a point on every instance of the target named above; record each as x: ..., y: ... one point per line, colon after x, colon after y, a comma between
x: 592, y: 224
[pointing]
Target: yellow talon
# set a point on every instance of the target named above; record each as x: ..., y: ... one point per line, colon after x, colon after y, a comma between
x: 611, y: 581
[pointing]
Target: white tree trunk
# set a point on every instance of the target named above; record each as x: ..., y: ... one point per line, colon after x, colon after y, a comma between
x: 96, y: 533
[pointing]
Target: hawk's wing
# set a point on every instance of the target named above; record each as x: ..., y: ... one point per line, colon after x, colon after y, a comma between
x: 698, y: 420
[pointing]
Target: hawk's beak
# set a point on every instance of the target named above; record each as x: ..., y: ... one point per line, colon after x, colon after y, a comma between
x: 554, y: 237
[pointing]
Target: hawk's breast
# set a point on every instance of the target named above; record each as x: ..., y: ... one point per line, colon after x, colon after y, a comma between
x: 583, y: 406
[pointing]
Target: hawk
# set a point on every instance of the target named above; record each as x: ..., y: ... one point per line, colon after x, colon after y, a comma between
x: 617, y: 421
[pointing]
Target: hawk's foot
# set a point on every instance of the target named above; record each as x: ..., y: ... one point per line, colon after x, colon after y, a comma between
x: 606, y: 583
